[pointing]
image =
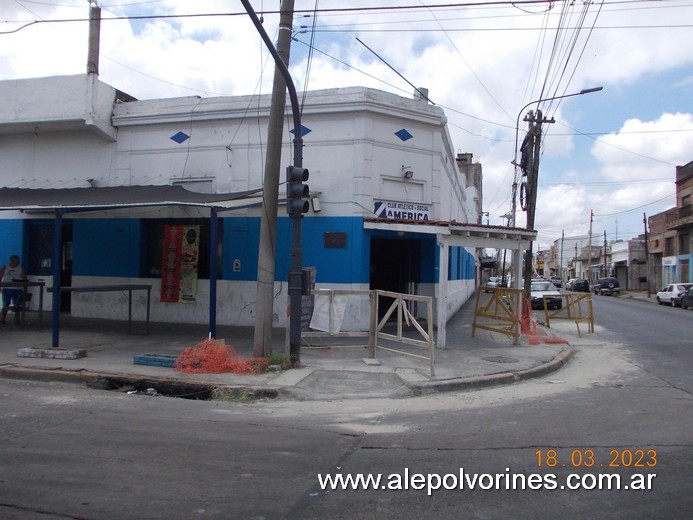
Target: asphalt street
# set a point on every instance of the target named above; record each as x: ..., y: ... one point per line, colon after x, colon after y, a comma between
x: 73, y: 452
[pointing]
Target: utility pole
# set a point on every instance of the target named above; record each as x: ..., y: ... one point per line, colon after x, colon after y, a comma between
x: 560, y: 261
x: 589, y: 249
x: 647, y: 255
x: 262, y: 339
x: 575, y: 263
x: 94, y: 39
x: 605, y: 253
x: 531, y: 190
x: 295, y: 277
x: 533, y: 168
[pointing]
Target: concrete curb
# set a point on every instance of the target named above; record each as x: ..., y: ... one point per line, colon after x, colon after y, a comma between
x: 503, y: 378
x: 557, y: 362
x: 206, y: 390
x: 111, y: 381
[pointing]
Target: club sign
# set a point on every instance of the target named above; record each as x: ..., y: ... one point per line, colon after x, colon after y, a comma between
x: 401, y: 210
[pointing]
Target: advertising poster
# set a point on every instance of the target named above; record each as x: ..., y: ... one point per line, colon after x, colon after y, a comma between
x: 179, y: 264
x: 170, y: 263
x: 188, y: 264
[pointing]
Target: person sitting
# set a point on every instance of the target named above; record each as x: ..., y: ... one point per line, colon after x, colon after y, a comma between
x: 12, y: 297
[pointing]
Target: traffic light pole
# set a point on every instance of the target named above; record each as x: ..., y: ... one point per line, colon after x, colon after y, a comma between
x: 296, y: 248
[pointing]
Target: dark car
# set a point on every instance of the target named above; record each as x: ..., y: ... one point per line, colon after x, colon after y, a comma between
x: 556, y: 281
x: 687, y: 299
x: 607, y: 286
x: 580, y: 285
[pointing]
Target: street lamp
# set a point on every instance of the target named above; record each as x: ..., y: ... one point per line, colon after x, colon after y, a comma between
x: 532, y: 175
x: 517, y: 120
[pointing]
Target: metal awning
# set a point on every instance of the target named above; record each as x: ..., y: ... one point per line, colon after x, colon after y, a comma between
x: 454, y: 234
x: 458, y: 233
x: 65, y: 200
x: 117, y: 197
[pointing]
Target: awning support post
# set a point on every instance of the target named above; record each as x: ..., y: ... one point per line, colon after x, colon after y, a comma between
x: 57, y: 264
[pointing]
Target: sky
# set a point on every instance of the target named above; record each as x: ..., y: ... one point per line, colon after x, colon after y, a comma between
x: 612, y: 153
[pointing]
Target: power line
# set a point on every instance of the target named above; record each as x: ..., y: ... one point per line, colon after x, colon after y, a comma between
x: 639, y: 207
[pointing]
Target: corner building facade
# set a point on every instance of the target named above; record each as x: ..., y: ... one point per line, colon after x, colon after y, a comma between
x: 377, y: 161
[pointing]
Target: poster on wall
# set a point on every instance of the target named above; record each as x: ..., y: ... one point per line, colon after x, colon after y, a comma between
x: 179, y: 264
x: 188, y: 264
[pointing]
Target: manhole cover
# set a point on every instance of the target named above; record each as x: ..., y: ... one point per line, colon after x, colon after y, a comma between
x: 501, y: 359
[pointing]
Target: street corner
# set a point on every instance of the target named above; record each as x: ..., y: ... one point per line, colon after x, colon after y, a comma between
x: 556, y: 363
x: 349, y: 384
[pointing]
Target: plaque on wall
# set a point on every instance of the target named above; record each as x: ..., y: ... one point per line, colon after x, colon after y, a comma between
x: 335, y: 239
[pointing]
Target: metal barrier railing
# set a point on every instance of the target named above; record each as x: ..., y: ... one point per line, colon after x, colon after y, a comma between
x: 376, y: 327
x: 404, y: 316
x: 500, y: 312
x: 573, y: 310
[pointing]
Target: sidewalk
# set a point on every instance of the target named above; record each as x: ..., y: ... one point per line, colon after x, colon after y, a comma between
x: 640, y: 296
x: 326, y: 373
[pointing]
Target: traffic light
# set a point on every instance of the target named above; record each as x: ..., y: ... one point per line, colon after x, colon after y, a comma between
x: 296, y: 191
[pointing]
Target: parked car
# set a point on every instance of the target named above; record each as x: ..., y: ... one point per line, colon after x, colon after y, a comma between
x: 556, y: 281
x: 493, y: 281
x: 671, y: 294
x: 607, y: 286
x: 569, y: 284
x: 541, y: 289
x: 687, y: 299
x: 580, y: 285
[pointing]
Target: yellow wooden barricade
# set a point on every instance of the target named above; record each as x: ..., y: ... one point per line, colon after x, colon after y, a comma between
x: 577, y: 308
x: 500, y: 312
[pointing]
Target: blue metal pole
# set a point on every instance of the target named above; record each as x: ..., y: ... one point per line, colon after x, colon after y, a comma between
x: 213, y: 269
x: 57, y: 263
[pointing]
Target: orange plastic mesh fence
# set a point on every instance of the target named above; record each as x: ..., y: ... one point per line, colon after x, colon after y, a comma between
x: 530, y: 329
x: 211, y: 357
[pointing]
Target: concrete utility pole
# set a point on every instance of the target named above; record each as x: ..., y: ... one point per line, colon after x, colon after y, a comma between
x: 94, y: 39
x: 560, y: 261
x: 295, y: 272
x: 264, y: 312
x: 605, y: 253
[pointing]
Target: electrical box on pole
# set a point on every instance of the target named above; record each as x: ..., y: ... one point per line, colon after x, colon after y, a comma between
x: 296, y: 191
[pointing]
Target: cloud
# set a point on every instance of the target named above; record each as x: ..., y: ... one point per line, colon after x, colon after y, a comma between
x: 481, y: 64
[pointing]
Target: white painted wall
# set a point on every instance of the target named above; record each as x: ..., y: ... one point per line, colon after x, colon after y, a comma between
x: 56, y: 132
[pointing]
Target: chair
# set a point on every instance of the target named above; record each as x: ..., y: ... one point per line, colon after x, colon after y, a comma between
x: 18, y: 307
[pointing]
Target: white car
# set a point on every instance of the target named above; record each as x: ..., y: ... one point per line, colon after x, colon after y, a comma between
x: 493, y: 281
x: 541, y: 289
x: 671, y: 294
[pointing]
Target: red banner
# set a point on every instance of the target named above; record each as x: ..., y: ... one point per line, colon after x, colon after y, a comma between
x: 171, y: 263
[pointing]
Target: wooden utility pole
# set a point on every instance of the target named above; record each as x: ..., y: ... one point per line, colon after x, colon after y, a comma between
x: 531, y: 192
x: 264, y: 312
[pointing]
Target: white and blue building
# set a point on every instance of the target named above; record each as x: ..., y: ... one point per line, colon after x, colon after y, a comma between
x: 393, y: 205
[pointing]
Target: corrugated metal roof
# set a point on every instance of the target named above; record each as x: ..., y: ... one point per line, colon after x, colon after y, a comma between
x: 115, y: 197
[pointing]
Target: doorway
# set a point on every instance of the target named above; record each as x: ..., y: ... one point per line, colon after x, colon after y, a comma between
x: 395, y: 266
